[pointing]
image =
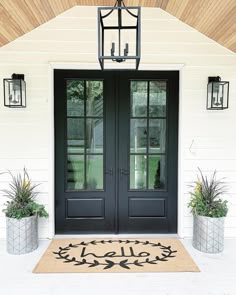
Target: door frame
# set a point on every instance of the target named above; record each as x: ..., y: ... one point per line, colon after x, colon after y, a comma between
x: 51, y: 157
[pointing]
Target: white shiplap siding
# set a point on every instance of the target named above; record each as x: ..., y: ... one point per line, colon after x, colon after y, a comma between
x: 206, y: 139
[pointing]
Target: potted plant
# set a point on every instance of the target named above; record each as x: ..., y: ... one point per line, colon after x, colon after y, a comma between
x: 22, y: 212
x: 209, y: 211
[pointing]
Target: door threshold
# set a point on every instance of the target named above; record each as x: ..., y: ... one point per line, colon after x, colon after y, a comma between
x: 113, y: 236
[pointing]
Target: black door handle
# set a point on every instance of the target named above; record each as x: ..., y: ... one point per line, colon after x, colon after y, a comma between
x: 109, y: 171
x: 124, y: 171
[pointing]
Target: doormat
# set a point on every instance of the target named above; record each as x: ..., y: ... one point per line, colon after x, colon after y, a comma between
x: 115, y: 255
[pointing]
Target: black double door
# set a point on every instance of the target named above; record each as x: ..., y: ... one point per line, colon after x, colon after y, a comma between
x: 116, y: 141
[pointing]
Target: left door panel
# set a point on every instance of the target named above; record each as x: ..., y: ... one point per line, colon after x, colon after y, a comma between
x: 84, y: 159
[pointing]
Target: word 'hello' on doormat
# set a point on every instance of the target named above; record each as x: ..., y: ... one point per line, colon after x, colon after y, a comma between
x: 115, y: 255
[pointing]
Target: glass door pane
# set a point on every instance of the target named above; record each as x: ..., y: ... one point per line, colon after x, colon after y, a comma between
x: 85, y: 135
x: 148, y: 135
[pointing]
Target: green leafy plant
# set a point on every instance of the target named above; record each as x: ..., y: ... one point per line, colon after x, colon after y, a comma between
x: 205, y: 197
x: 21, y: 195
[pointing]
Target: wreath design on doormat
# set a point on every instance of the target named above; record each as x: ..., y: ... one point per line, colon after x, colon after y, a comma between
x: 63, y: 254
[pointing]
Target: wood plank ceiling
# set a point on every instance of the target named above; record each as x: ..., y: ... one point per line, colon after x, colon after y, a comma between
x: 214, y: 18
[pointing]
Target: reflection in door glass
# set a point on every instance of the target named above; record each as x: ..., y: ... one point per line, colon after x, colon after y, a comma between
x: 94, y: 173
x: 157, y: 172
x: 157, y: 135
x: 138, y: 135
x: 75, y: 135
x: 75, y: 98
x: 138, y: 171
x: 75, y: 172
x: 94, y: 135
x: 157, y: 99
x: 94, y: 98
x: 138, y: 98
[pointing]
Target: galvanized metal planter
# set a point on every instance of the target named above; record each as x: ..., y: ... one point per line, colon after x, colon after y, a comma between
x: 22, y: 235
x: 208, y: 234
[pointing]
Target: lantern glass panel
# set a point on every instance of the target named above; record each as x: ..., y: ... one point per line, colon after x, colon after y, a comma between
x: 218, y: 93
x: 15, y: 93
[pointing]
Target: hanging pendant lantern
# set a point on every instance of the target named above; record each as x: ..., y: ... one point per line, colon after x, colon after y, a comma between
x: 119, y: 35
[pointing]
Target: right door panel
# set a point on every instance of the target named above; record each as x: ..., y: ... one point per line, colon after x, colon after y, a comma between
x: 148, y: 149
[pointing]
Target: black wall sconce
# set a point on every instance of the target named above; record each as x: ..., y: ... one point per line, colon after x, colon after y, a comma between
x: 15, y: 91
x: 119, y: 34
x: 217, y: 94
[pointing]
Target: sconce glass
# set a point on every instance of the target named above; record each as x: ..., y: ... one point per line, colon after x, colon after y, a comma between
x: 119, y: 34
x: 15, y: 91
x: 217, y: 94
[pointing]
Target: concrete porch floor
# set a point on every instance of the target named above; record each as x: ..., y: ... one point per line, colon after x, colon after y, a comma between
x: 217, y: 277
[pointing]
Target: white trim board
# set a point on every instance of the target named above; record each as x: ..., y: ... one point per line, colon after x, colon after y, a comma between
x: 93, y: 66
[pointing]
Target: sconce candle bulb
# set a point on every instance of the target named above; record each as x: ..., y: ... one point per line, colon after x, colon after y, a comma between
x: 126, y: 50
x: 112, y: 48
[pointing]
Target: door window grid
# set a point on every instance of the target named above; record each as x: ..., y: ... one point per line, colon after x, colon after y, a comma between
x: 147, y: 164
x: 85, y: 137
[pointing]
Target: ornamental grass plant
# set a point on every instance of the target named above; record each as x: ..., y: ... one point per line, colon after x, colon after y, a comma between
x: 206, y: 197
x: 21, y: 195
